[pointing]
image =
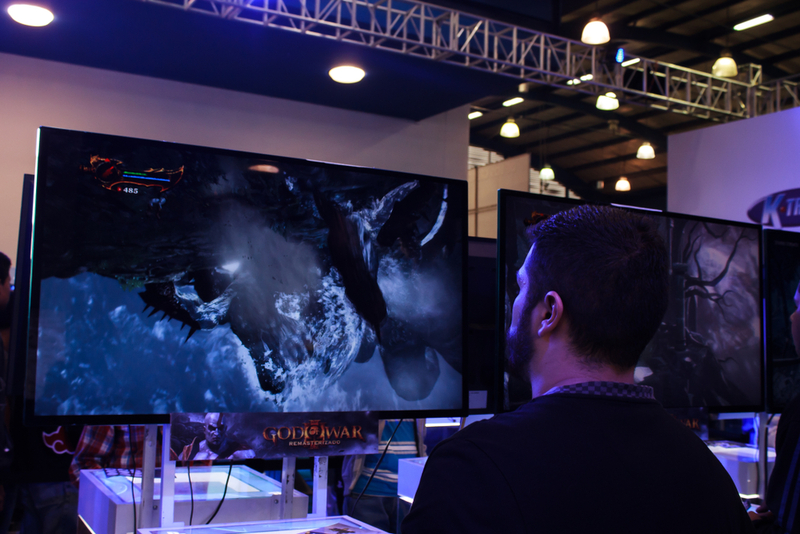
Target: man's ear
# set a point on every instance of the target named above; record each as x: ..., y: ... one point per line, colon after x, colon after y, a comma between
x: 551, y: 313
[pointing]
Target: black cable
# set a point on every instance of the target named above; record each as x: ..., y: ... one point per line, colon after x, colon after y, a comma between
x: 191, y: 491
x: 132, y: 442
x: 230, y: 467
x: 353, y: 510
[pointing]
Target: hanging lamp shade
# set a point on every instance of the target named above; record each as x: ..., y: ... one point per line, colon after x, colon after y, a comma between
x: 509, y: 129
x: 595, y: 32
x: 725, y: 66
x: 646, y: 151
x: 622, y: 184
x: 607, y: 102
x: 547, y: 172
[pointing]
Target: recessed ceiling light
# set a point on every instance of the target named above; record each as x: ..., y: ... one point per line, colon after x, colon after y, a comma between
x: 763, y: 19
x: 474, y: 115
x: 30, y: 15
x: 513, y: 101
x: 346, y: 74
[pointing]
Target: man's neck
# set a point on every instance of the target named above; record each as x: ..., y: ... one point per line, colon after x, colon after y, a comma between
x: 577, y: 373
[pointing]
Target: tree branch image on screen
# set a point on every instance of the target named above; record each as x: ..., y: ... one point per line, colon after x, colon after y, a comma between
x: 708, y: 350
x: 782, y: 269
x: 172, y: 278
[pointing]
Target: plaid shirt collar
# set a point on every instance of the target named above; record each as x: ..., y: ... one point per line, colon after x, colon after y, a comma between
x: 606, y: 389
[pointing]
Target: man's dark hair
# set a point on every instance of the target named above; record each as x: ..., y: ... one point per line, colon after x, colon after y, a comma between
x: 5, y: 267
x: 609, y: 267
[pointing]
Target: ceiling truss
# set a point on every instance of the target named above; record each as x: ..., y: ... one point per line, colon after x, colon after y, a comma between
x: 452, y: 36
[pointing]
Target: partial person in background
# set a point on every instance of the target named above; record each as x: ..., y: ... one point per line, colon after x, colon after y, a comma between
x: 110, y: 447
x: 379, y: 505
x: 36, y: 481
x: 781, y: 511
x: 5, y: 308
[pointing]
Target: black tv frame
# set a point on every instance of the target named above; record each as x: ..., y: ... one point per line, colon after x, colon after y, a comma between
x: 486, y: 366
x: 775, y: 350
x: 567, y: 203
x: 18, y: 340
x: 458, y: 203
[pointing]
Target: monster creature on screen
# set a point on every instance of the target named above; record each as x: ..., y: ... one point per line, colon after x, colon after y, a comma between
x: 708, y: 349
x: 178, y: 279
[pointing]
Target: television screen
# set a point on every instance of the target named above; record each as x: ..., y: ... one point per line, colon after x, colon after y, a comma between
x: 782, y: 276
x: 172, y: 278
x: 15, y: 367
x: 708, y: 351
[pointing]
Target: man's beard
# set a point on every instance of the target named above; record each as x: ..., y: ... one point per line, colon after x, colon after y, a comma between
x: 519, y: 347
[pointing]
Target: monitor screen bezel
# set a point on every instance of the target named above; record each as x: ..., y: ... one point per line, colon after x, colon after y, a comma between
x: 770, y: 235
x: 503, y: 197
x: 43, y: 138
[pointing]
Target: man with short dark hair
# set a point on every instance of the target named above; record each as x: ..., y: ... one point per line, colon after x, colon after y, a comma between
x: 592, y: 452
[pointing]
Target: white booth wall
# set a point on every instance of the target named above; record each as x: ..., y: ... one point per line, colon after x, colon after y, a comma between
x: 45, y: 93
x: 723, y: 170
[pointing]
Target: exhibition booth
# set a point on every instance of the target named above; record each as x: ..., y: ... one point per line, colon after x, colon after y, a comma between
x: 210, y: 260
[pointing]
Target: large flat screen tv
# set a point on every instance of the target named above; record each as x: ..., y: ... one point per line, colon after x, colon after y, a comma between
x: 782, y: 276
x: 708, y: 351
x: 174, y: 278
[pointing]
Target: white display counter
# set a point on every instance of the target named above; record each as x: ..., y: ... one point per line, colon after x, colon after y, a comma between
x: 329, y: 525
x: 105, y: 501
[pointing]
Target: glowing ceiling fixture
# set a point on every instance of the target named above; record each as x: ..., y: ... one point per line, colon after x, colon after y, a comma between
x: 574, y: 81
x: 474, y: 115
x: 30, y: 15
x: 646, y: 151
x: 763, y: 19
x: 509, y: 129
x: 630, y: 62
x: 346, y: 74
x: 595, y: 32
x: 513, y: 101
x: 622, y: 184
x: 547, y: 172
x: 586, y: 77
x: 607, y: 102
x: 725, y: 66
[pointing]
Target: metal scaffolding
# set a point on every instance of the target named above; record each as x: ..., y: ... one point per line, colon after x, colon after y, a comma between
x: 450, y: 36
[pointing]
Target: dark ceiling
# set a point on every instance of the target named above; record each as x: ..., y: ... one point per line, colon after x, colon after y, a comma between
x: 584, y: 145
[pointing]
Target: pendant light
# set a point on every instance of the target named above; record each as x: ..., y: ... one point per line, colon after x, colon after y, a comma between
x: 622, y: 184
x: 509, y: 129
x: 646, y: 151
x: 595, y: 32
x: 725, y: 66
x: 607, y: 102
x: 546, y: 171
